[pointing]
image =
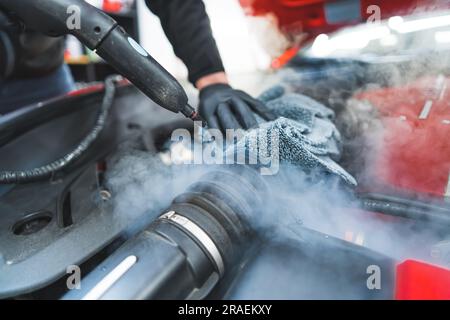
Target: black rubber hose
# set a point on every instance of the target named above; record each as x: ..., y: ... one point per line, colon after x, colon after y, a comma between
x: 46, y: 171
x: 198, y: 241
x: 414, y: 211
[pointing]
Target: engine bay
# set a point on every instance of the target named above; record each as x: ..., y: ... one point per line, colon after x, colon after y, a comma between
x: 230, y: 233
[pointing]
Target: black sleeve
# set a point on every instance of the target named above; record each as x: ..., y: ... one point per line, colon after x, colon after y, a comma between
x: 188, y: 28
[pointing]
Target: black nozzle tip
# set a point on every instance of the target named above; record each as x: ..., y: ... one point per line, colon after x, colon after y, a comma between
x: 190, y: 113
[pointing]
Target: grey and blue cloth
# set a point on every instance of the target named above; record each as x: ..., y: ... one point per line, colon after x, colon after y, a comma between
x: 307, y: 136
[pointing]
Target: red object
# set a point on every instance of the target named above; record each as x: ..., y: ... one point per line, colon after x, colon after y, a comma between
x: 413, y: 151
x: 112, y: 6
x: 417, y: 280
x: 86, y: 90
x: 282, y: 60
x: 97, y: 87
x: 101, y: 166
x: 309, y: 16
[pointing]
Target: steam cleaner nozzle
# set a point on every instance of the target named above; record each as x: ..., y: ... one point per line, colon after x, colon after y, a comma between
x: 191, y: 113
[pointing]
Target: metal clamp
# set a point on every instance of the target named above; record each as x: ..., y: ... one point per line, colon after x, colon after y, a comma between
x: 200, y: 235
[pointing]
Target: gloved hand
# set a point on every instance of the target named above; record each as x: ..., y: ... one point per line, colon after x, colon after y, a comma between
x: 226, y: 108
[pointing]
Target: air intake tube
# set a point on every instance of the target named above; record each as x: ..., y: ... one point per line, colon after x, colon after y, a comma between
x: 189, y: 248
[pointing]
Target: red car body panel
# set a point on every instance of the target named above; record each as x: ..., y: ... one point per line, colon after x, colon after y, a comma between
x: 414, y: 155
x: 417, y: 280
x: 310, y: 16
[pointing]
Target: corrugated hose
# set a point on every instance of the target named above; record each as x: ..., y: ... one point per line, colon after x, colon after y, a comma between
x: 48, y: 170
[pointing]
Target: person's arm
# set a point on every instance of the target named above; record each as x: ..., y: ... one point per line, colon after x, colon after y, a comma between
x: 187, y: 26
x: 188, y: 29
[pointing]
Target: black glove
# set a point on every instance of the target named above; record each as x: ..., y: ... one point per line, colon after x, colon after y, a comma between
x: 225, y: 108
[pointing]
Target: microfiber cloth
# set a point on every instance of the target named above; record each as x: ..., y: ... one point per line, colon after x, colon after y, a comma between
x: 306, y: 134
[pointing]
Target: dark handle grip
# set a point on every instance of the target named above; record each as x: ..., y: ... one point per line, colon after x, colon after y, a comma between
x: 134, y: 63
